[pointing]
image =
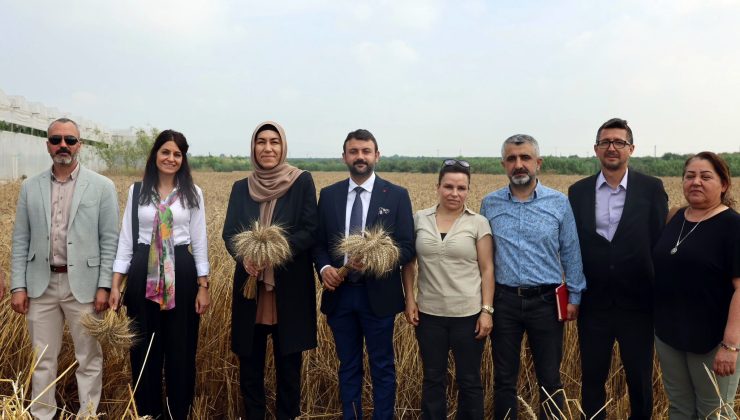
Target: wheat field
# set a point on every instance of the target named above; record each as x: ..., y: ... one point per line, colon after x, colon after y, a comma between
x: 217, y: 389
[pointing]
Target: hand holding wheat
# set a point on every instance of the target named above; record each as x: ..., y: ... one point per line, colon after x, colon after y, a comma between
x: 373, y: 250
x: 263, y: 246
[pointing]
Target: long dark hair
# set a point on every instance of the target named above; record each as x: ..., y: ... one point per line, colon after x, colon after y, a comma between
x: 183, y: 178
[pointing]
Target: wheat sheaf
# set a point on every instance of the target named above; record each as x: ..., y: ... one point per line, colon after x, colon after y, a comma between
x: 374, y: 247
x: 113, y: 329
x: 264, y: 246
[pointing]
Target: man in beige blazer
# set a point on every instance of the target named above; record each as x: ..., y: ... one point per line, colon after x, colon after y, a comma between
x: 64, y: 244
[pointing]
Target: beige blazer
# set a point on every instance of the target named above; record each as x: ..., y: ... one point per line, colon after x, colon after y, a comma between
x: 92, y: 235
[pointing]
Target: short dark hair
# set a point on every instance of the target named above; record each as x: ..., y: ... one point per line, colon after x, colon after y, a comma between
x: 359, y: 134
x: 453, y: 169
x: 723, y: 171
x: 616, y: 123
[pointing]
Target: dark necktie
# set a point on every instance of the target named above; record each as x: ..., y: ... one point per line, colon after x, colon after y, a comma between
x: 355, y: 227
x: 355, y: 217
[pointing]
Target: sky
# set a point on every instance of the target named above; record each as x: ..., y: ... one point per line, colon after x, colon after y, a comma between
x: 427, y: 78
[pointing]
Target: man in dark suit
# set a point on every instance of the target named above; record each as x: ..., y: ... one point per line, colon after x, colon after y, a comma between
x: 361, y: 306
x: 620, y: 214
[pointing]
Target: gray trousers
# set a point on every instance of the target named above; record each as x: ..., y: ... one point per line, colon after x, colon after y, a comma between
x: 691, y: 393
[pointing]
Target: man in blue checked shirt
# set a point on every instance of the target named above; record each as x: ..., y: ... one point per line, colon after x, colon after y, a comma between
x: 536, y: 244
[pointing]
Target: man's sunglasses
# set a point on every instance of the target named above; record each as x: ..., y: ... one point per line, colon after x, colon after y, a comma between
x: 70, y: 140
x: 453, y: 162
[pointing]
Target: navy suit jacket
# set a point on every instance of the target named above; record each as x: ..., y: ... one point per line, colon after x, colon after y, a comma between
x: 390, y: 207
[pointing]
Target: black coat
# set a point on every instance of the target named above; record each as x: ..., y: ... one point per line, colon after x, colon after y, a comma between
x: 620, y: 273
x: 390, y: 207
x: 295, y: 287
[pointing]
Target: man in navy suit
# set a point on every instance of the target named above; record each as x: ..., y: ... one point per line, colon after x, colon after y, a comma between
x: 362, y: 306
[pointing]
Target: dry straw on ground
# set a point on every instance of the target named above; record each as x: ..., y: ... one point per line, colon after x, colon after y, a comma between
x: 264, y: 246
x: 373, y: 247
x: 217, y: 388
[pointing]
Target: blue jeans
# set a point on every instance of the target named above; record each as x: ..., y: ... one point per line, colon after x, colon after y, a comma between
x: 351, y: 322
x: 537, y: 316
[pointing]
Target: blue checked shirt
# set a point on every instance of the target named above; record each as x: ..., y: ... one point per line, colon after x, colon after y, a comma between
x: 536, y: 240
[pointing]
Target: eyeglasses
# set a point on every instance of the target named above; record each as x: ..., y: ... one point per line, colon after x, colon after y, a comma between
x: 70, y: 140
x: 453, y: 162
x: 618, y: 144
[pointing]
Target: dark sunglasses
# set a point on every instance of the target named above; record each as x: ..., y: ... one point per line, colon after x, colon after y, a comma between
x: 70, y: 140
x: 453, y: 162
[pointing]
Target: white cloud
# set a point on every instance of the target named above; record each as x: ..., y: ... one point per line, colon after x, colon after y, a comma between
x: 402, y: 51
x: 393, y: 52
x: 414, y: 14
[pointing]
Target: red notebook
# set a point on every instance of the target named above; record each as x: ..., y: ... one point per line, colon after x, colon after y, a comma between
x: 561, y: 300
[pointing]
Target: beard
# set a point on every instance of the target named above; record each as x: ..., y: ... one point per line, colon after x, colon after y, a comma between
x: 521, y: 178
x: 354, y: 170
x: 64, y: 159
x: 613, y: 166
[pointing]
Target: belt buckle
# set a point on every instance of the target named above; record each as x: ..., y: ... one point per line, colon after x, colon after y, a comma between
x: 519, y: 292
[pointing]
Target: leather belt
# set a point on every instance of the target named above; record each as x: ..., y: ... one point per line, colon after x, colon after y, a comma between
x: 529, y: 291
x: 58, y: 268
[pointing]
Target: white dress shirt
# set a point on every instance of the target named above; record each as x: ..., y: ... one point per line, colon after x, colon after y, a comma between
x: 365, y: 196
x: 188, y: 227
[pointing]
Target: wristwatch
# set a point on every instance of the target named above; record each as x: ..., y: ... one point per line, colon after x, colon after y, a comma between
x: 487, y: 309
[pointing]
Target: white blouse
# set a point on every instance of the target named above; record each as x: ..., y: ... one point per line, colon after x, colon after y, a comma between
x: 188, y: 227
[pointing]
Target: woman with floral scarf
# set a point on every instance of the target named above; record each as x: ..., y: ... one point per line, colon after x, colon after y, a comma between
x: 167, y: 286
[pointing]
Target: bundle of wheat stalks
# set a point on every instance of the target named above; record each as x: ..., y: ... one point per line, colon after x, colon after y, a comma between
x: 373, y: 247
x: 263, y: 246
x: 113, y: 329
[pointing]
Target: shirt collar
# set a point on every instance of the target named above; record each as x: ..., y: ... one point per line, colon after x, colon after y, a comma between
x: 367, y: 185
x: 72, y: 176
x: 433, y: 210
x: 601, y: 180
x: 535, y: 193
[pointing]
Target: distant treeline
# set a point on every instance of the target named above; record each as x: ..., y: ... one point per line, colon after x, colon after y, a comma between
x: 130, y: 155
x: 670, y: 164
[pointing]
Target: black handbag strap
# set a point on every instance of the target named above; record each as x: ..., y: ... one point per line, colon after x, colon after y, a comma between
x: 135, y: 215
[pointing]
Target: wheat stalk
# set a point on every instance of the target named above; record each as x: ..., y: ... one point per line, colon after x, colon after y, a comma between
x: 263, y: 246
x: 113, y: 329
x: 374, y: 248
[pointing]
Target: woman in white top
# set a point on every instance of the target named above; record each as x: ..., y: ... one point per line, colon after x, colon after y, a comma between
x: 453, y: 308
x: 167, y: 286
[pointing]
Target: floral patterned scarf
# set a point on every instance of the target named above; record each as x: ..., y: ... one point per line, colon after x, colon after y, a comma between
x: 160, y: 275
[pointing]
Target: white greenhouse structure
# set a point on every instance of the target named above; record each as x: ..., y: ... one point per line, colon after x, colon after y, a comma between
x: 23, y: 127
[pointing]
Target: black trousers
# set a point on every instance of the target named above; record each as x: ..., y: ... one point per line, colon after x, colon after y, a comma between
x: 436, y: 336
x: 537, y: 316
x: 175, y: 338
x: 287, y: 374
x: 633, y: 330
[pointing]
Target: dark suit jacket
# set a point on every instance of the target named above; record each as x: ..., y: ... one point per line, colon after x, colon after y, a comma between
x: 295, y: 286
x: 620, y: 273
x: 390, y: 207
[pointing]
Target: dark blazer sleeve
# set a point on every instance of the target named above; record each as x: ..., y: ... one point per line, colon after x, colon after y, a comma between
x: 321, y: 251
x: 404, y: 233
x: 658, y: 211
x: 302, y: 237
x: 232, y: 223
